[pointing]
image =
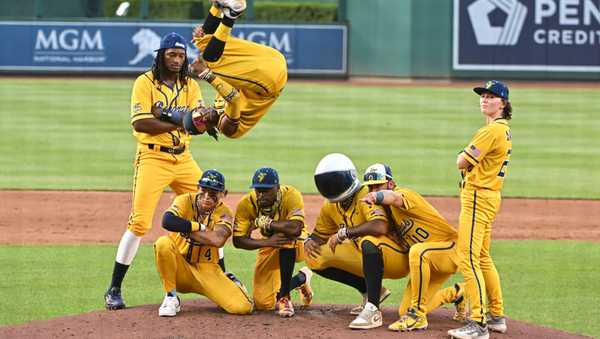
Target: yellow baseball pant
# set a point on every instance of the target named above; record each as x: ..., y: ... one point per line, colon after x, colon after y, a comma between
x: 478, y: 211
x: 154, y: 171
x: 436, y: 297
x: 395, y: 261
x: 203, y: 278
x: 258, y: 72
x: 267, y: 279
x: 347, y: 257
x: 431, y: 264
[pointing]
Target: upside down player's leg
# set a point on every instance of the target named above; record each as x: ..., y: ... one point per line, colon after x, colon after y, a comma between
x: 257, y: 73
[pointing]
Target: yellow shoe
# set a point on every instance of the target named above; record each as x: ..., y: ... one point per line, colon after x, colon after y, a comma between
x: 409, y: 322
x: 460, y: 314
x: 306, y: 292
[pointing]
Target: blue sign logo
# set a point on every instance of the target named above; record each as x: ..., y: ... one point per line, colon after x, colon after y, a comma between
x: 527, y: 35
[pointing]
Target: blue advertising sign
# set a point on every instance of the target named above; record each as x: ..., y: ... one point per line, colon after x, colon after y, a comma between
x: 527, y: 35
x: 129, y: 47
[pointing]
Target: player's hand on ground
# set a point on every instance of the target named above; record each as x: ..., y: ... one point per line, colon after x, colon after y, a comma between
x: 277, y: 240
x: 312, y: 249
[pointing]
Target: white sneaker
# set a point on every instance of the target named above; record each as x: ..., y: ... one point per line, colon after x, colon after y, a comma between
x: 169, y: 307
x: 382, y: 296
x: 370, y: 317
x: 231, y: 8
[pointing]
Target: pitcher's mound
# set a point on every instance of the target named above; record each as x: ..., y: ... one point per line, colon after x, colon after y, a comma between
x: 202, y: 319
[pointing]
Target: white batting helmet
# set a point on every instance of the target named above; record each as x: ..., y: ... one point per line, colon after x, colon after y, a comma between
x: 335, y: 177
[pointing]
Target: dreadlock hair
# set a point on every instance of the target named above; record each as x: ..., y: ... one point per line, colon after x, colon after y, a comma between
x: 159, y: 69
x: 507, y: 110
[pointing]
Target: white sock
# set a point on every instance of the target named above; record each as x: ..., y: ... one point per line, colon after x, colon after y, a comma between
x: 128, y: 248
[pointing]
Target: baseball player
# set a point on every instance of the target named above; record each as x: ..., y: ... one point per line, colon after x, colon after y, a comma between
x: 188, y: 258
x: 277, y: 212
x: 247, y: 76
x: 433, y: 258
x: 159, y: 99
x: 483, y: 164
x: 349, y: 243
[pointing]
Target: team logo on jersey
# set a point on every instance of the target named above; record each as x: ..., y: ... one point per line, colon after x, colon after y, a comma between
x: 486, y: 32
x: 137, y: 107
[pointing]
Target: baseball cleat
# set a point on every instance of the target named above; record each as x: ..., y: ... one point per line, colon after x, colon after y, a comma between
x: 231, y: 8
x: 306, y: 292
x: 169, y: 307
x: 369, y: 317
x: 285, y: 307
x: 113, y: 299
x: 472, y: 330
x: 496, y: 324
x: 460, y: 305
x: 409, y: 322
x: 384, y: 294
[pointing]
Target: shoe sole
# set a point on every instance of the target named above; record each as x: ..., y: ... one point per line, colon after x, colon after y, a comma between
x: 364, y: 327
x: 487, y: 336
x: 498, y: 329
x: 170, y: 314
x: 114, y: 308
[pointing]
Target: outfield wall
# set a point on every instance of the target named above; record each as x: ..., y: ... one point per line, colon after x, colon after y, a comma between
x: 523, y: 39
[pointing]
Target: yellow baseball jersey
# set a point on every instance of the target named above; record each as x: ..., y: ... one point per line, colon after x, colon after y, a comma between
x: 290, y: 207
x: 489, y: 153
x: 184, y: 206
x: 147, y: 92
x: 332, y: 216
x: 418, y: 221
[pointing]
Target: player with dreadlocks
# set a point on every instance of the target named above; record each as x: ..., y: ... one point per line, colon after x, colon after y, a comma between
x: 159, y: 99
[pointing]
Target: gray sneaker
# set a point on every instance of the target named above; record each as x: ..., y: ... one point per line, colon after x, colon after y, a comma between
x: 496, y: 324
x: 470, y: 331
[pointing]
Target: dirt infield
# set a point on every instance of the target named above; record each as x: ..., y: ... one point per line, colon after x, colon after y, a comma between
x: 201, y: 319
x: 71, y: 217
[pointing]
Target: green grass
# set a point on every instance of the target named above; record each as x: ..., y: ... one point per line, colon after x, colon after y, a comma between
x: 75, y: 134
x: 542, y: 281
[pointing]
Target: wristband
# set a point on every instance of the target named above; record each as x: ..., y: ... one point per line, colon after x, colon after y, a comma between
x: 202, y: 227
x: 172, y: 115
x: 379, y: 197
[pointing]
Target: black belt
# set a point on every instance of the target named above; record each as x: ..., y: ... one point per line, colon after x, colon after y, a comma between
x: 168, y: 149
